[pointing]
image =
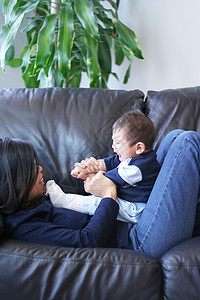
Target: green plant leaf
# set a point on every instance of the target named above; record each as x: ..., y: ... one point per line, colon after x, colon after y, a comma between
x: 35, y: 23
x: 113, y: 4
x: 19, y: 7
x: 31, y: 81
x: 15, y: 62
x: 45, y: 81
x: 58, y: 78
x: 8, y: 9
x: 45, y: 41
x: 65, y: 38
x: 127, y: 53
x: 127, y: 75
x: 128, y: 38
x: 115, y: 75
x: 84, y: 11
x: 10, y: 53
x: 100, y: 9
x: 33, y: 40
x: 105, y: 20
x: 104, y: 55
x: 9, y: 30
x: 7, y: 37
x: 25, y: 6
x: 50, y: 61
x: 25, y: 56
x: 79, y: 43
x: 93, y: 67
x: 44, y: 7
x: 119, y: 54
x: 103, y: 82
x: 75, y: 80
x: 77, y: 38
x: 75, y: 74
x: 117, y: 3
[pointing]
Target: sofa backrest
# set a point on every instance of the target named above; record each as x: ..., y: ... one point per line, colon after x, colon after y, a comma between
x: 68, y: 125
x: 174, y: 109
x: 64, y: 125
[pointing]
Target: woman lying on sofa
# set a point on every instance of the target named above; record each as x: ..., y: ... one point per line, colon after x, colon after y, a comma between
x: 167, y: 219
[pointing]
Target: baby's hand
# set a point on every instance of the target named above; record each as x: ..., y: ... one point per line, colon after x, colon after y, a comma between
x: 92, y: 164
x: 86, y: 167
x: 79, y: 172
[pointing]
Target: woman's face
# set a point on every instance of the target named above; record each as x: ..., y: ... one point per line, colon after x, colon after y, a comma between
x: 39, y: 187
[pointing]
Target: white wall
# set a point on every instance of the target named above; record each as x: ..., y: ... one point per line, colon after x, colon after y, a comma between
x: 169, y: 35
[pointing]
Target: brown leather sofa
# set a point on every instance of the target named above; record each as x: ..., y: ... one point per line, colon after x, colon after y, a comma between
x: 65, y: 126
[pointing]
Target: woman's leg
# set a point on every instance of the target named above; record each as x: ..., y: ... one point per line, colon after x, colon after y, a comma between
x: 169, y: 216
x: 166, y: 144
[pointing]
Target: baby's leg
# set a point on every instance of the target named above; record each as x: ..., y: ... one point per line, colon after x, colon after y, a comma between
x: 128, y: 211
x: 60, y: 199
x: 81, y: 203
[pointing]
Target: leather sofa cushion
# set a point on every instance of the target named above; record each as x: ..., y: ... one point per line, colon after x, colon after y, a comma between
x: 46, y: 272
x: 181, y: 271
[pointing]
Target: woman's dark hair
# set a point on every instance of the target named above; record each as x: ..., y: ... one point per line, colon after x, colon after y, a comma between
x: 18, y: 173
x: 138, y: 128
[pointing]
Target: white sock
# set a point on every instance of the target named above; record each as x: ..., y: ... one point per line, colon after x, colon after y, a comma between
x: 60, y: 199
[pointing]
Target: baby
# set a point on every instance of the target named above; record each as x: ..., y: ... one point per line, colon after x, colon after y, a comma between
x: 133, y: 169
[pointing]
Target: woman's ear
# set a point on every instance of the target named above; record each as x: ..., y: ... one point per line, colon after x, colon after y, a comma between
x: 140, y: 148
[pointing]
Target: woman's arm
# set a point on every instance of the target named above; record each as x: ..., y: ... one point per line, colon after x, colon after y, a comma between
x: 56, y: 226
x: 47, y: 225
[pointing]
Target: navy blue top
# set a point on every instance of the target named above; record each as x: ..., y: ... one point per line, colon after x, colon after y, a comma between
x: 142, y: 172
x: 62, y: 227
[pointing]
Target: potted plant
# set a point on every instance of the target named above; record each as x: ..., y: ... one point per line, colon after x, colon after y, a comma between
x: 65, y: 38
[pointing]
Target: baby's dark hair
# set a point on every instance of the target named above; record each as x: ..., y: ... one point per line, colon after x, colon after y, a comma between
x: 138, y: 128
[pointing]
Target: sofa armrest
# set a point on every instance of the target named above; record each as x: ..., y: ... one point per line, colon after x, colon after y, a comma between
x: 181, y: 268
x: 46, y: 272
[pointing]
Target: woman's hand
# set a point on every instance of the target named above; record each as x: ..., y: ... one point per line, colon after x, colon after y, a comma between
x: 100, y: 186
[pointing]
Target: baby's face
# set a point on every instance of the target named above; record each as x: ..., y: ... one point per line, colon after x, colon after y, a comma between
x: 121, y: 146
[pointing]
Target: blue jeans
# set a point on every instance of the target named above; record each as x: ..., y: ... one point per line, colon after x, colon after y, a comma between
x: 169, y: 215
